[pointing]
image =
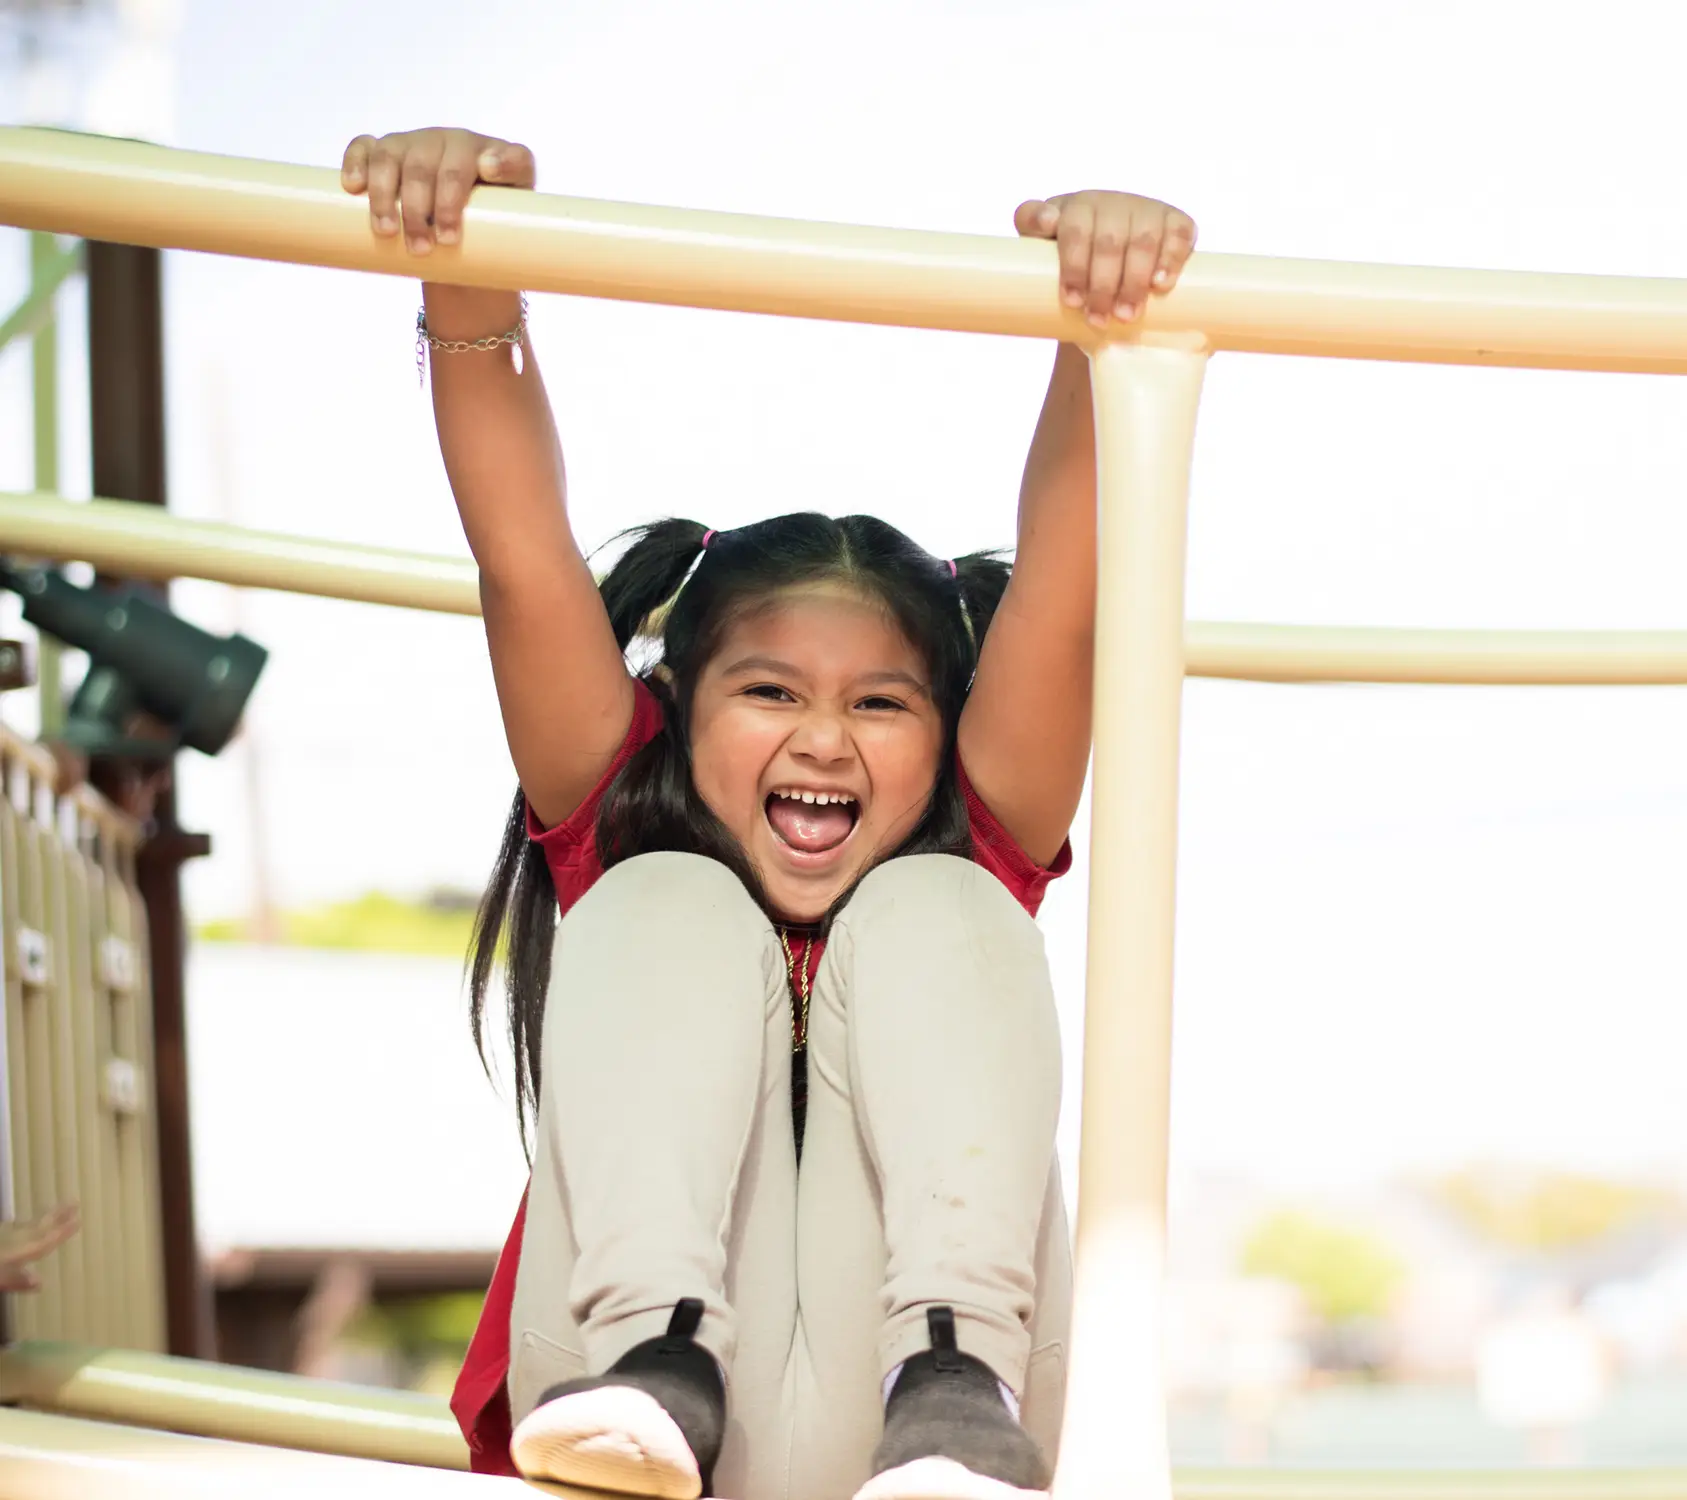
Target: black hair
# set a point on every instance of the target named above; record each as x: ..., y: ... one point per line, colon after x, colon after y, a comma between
x: 653, y: 596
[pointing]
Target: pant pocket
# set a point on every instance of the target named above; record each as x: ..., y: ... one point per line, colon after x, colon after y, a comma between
x: 1043, y: 1404
x: 537, y: 1364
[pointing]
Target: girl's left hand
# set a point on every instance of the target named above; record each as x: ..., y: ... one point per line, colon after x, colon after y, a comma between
x: 1115, y: 248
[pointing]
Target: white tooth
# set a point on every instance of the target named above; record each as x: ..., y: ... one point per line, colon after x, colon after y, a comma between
x: 827, y: 799
x: 808, y: 797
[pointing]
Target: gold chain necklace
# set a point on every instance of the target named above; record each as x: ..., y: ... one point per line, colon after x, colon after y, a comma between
x: 799, y: 1017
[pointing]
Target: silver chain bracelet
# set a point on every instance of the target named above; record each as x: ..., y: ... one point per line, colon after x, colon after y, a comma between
x: 514, y: 337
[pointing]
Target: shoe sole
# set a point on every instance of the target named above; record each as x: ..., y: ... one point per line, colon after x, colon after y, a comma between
x: 613, y: 1438
x: 940, y: 1479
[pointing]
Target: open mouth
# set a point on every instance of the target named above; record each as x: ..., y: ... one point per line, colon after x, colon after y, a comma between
x: 809, y: 822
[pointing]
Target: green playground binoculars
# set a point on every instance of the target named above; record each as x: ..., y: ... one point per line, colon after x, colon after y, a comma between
x: 142, y: 660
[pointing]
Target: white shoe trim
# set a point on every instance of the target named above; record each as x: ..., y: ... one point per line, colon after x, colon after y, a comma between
x: 612, y: 1438
x: 939, y: 1479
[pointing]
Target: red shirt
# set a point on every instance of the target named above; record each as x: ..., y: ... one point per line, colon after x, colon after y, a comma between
x: 480, y: 1401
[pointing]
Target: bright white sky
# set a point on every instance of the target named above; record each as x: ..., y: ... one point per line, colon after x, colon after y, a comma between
x: 1416, y: 926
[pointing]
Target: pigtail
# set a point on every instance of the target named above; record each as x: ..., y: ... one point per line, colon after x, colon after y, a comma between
x: 648, y: 574
x: 517, y: 917
x: 516, y: 920
x: 982, y: 578
x: 652, y: 803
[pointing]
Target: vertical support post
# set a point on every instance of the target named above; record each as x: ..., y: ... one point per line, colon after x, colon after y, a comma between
x: 1114, y: 1439
x: 126, y: 401
x: 44, y: 264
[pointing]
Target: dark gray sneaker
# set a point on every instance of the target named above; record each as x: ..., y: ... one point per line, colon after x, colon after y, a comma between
x: 948, y: 1432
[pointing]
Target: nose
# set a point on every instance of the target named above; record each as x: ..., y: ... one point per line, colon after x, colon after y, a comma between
x: 822, y: 738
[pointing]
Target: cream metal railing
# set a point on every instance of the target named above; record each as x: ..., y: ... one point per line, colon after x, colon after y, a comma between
x: 145, y: 195
x: 187, y: 1395
x: 78, y: 1038
x: 1147, y: 387
x: 51, y: 1457
x: 46, y: 1456
x: 146, y: 542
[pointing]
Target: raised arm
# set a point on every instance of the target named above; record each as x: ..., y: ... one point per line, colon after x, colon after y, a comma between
x: 562, y: 684
x: 1025, y: 732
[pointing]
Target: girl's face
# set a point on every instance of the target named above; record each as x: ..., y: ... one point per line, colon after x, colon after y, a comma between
x: 815, y: 740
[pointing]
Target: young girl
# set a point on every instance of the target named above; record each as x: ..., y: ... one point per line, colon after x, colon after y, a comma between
x: 794, y: 1226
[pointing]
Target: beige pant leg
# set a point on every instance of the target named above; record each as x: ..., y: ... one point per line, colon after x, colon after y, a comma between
x: 664, y: 1165
x: 934, y: 1088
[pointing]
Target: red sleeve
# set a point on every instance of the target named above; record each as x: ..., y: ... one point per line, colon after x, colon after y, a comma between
x: 999, y: 852
x: 571, y: 847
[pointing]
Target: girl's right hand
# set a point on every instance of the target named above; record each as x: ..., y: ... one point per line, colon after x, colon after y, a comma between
x: 425, y: 176
x: 21, y: 1245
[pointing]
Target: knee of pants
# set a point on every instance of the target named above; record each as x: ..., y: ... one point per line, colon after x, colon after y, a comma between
x: 657, y: 890
x: 662, y: 909
x: 918, y: 889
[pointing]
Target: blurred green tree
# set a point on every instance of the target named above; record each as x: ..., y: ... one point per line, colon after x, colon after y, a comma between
x: 1344, y: 1274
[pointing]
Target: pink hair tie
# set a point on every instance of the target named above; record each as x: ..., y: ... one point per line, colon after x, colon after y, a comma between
x: 708, y: 536
x: 954, y: 572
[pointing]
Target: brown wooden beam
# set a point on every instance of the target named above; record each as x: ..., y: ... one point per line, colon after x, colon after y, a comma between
x: 391, y: 1272
x: 126, y: 400
x: 262, y: 1295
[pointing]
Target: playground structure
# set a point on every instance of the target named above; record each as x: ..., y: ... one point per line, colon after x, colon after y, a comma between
x: 1147, y: 384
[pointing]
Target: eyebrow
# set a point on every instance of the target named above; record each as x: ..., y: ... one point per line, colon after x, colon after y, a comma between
x: 745, y: 665
x: 749, y: 665
x: 885, y: 679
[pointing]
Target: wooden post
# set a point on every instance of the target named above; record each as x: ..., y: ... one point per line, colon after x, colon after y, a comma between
x: 126, y: 410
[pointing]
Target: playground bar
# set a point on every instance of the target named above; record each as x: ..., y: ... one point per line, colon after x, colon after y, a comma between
x: 48, y: 1457
x: 140, y: 194
x: 1114, y: 1438
x: 143, y: 542
x: 254, y: 1406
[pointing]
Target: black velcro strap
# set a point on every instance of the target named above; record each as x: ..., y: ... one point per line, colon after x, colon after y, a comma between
x: 940, y: 1323
x: 683, y: 1326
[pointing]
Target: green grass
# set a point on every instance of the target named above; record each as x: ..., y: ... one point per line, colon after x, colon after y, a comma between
x: 375, y: 923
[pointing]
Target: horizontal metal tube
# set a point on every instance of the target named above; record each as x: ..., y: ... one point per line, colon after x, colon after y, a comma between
x: 151, y: 195
x: 254, y: 1406
x: 45, y: 1457
x: 145, y: 541
x: 1422, y: 1483
x: 142, y: 541
x: 1494, y: 658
